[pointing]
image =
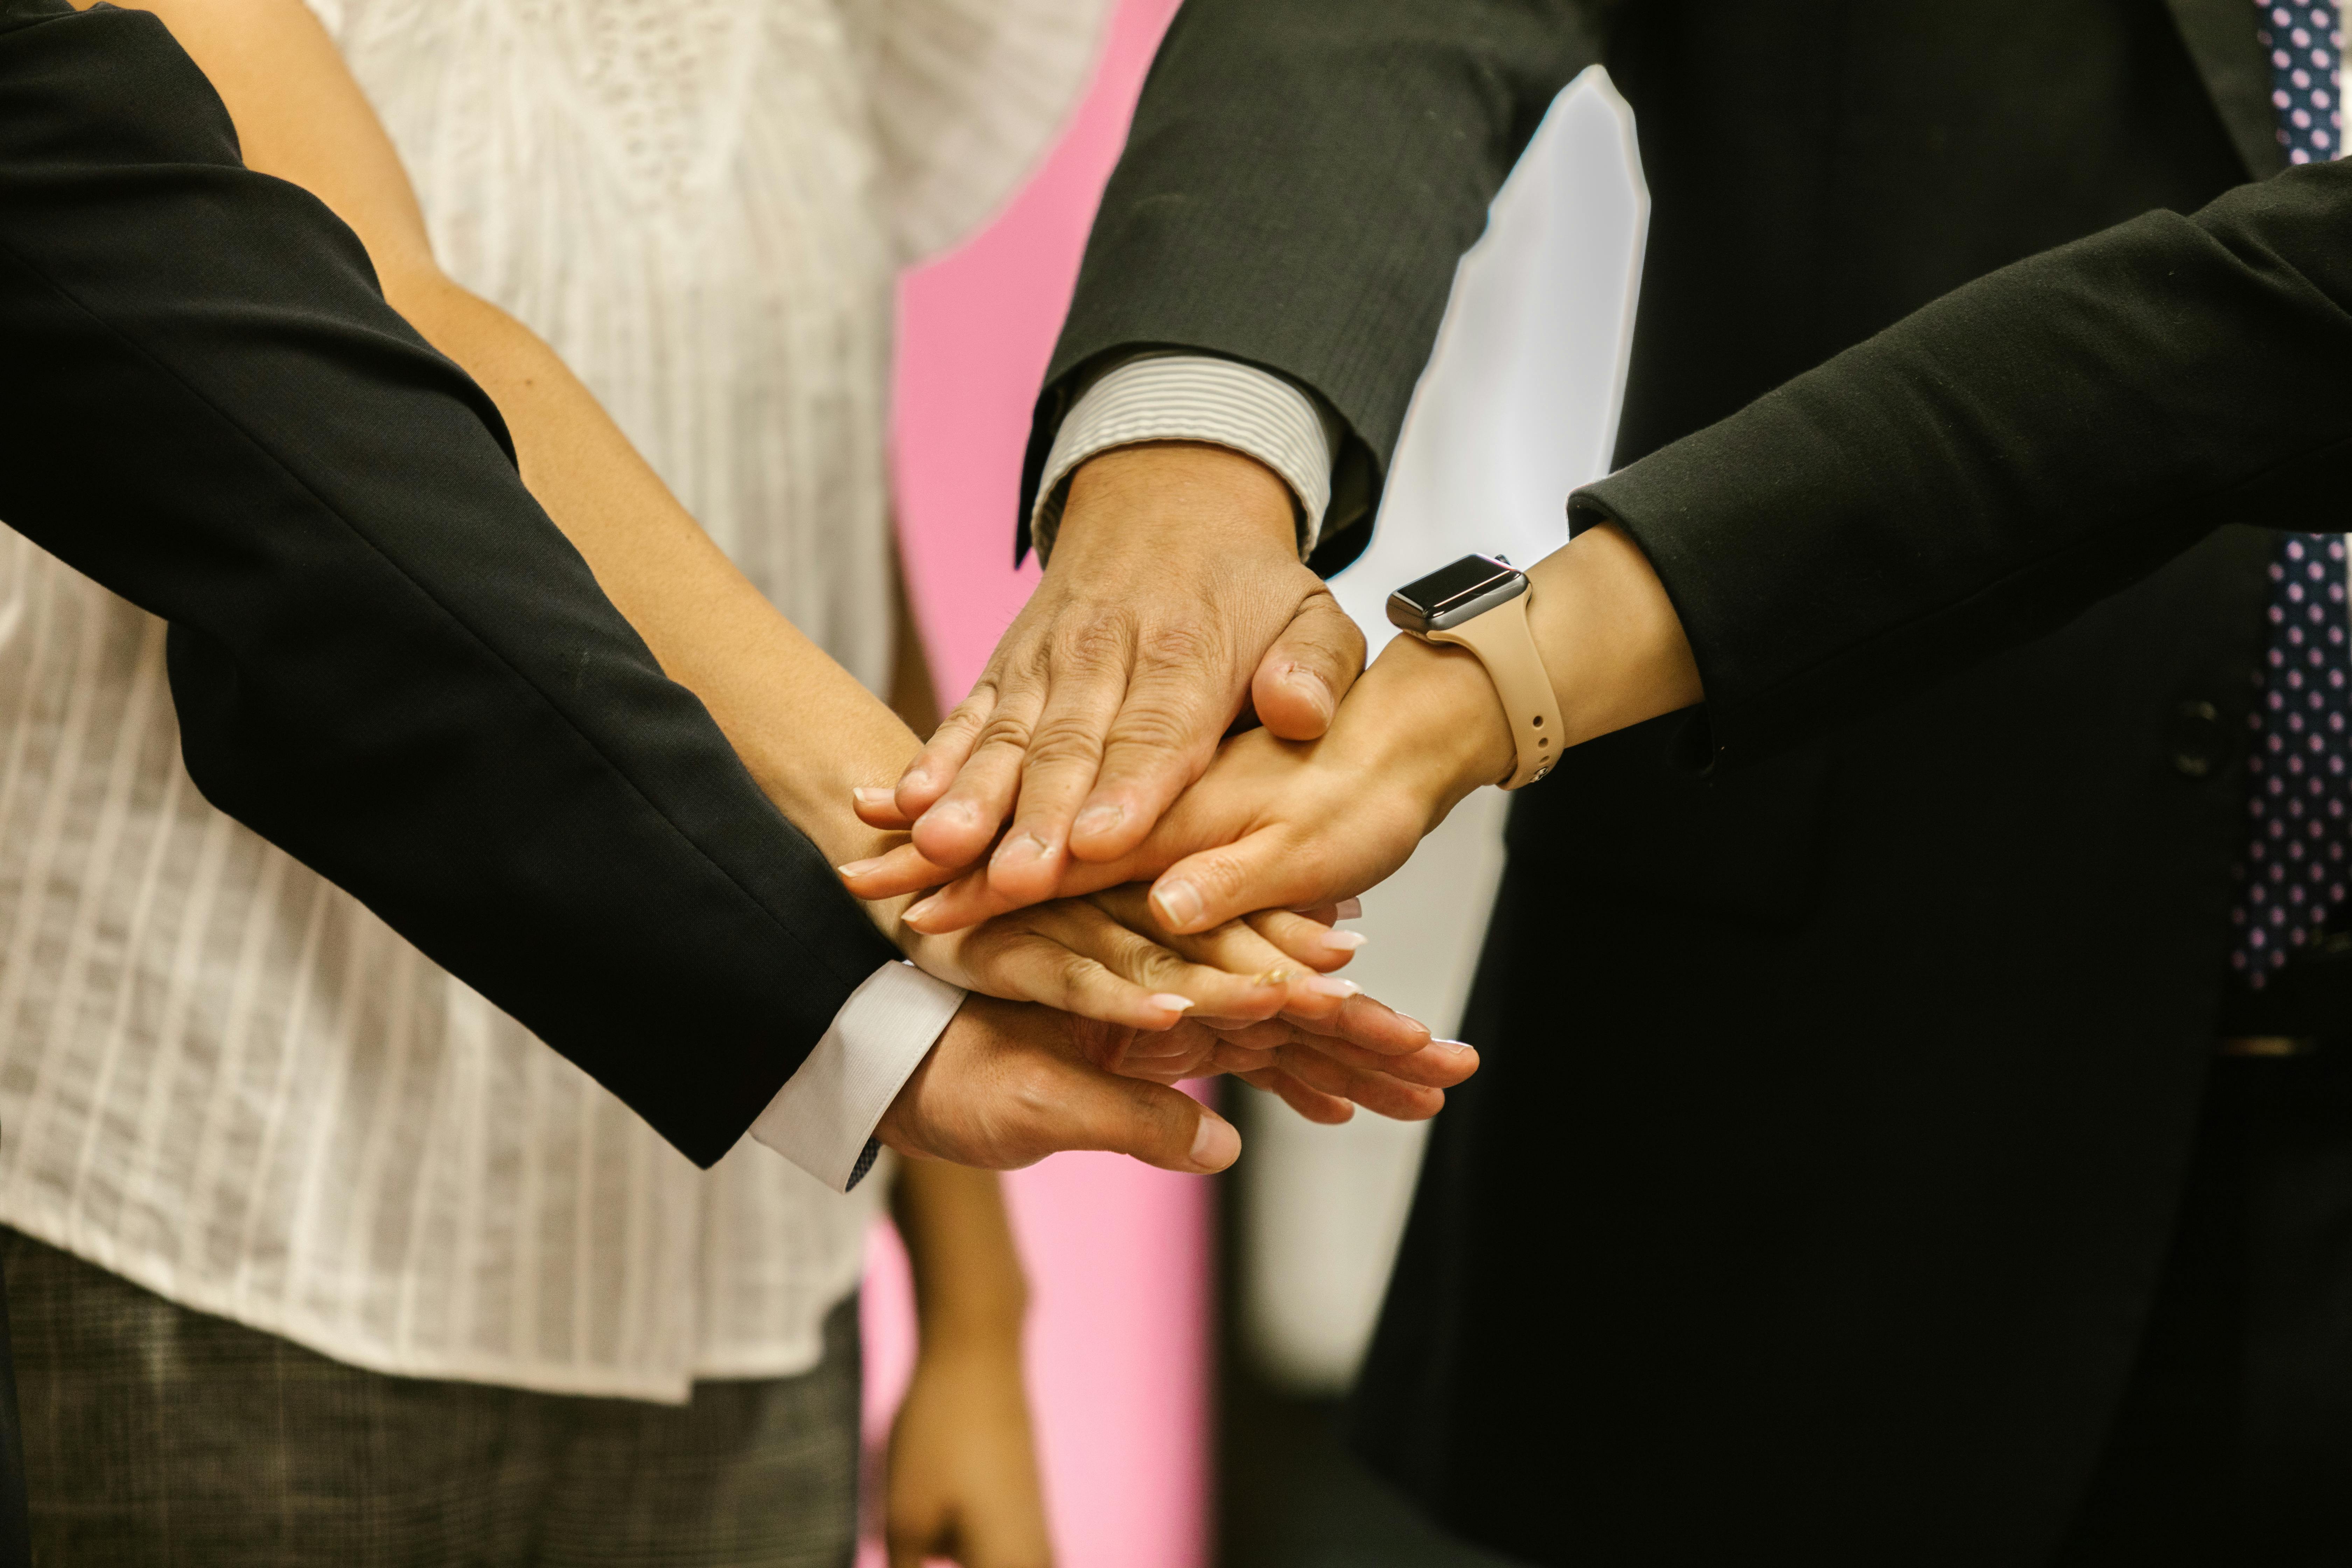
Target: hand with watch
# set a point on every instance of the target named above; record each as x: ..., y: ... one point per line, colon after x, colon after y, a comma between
x: 1481, y: 603
x: 1504, y: 670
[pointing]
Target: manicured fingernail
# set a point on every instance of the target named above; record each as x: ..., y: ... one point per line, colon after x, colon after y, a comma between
x: 1345, y: 940
x: 1350, y: 909
x: 1179, y: 903
x: 1332, y: 985
x: 921, y: 910
x: 1020, y: 849
x: 1215, y: 1144
x: 1099, y: 819
x: 869, y: 794
x: 858, y: 868
x: 1457, y: 1047
x: 1171, y: 1001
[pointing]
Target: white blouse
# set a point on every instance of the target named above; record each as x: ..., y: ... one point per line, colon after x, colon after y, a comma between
x: 225, y: 1080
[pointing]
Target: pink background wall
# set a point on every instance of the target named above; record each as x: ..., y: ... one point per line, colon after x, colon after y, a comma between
x: 1117, y: 1253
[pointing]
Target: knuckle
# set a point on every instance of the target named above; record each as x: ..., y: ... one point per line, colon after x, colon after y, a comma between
x: 1065, y: 740
x: 1091, y: 643
x: 1002, y: 729
x: 1182, y: 645
x: 1163, y: 727
x: 1074, y: 974
x: 1222, y: 875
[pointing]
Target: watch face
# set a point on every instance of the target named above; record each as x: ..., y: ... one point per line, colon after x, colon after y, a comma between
x: 1452, y: 595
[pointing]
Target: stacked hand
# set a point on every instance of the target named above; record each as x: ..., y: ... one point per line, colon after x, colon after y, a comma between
x: 1091, y: 759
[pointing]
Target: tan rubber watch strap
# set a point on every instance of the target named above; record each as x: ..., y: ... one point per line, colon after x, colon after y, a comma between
x: 1505, y: 645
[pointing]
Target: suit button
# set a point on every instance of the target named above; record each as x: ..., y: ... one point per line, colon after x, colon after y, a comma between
x: 2200, y: 743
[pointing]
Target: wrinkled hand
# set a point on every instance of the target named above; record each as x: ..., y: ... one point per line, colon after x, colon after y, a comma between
x: 1174, y: 597
x: 1279, y: 824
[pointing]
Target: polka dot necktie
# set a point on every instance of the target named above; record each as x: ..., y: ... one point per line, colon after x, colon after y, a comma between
x: 2295, y: 872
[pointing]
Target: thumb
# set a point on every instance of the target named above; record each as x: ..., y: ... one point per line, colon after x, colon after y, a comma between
x: 1160, y: 1126
x: 1308, y: 670
x: 1263, y: 871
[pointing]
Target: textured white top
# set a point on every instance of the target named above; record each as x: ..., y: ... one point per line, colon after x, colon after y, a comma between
x: 1163, y: 396
x: 223, y: 1078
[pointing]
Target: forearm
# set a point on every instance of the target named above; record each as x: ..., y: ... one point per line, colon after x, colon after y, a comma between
x: 805, y: 729
x: 383, y: 656
x: 969, y: 1288
x: 1999, y: 461
x: 1316, y: 150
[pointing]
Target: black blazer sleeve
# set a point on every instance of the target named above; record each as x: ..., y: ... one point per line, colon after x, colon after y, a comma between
x: 1993, y: 464
x: 384, y: 658
x: 1299, y: 181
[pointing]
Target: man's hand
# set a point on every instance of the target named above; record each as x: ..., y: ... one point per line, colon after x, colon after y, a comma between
x: 1174, y: 599
x: 1008, y: 1084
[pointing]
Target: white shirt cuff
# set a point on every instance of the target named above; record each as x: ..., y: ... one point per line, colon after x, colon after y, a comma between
x: 823, y: 1119
x: 1196, y: 398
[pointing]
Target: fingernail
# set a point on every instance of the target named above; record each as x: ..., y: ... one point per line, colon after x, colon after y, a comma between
x: 1332, y: 985
x: 1350, y: 909
x: 1171, y: 1001
x: 1215, y: 1144
x: 867, y: 794
x: 1179, y: 903
x: 1311, y: 682
x: 1099, y: 819
x: 920, y: 910
x: 1020, y: 849
x: 1345, y: 940
x: 949, y: 811
x: 858, y: 868
x: 1455, y: 1046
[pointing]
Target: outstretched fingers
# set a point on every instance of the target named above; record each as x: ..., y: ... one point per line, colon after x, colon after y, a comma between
x: 1076, y: 956
x: 1162, y: 738
x: 1329, y: 1110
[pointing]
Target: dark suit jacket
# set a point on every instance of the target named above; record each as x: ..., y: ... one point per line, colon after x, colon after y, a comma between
x: 1835, y: 1099
x: 384, y: 658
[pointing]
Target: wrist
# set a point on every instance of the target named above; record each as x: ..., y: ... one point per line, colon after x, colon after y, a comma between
x: 990, y: 1331
x: 1425, y: 719
x: 1185, y: 497
x: 1609, y: 636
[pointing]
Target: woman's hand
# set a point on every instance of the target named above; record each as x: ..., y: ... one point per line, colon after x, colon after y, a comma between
x: 963, y: 1471
x: 962, y: 1482
x: 1107, y: 956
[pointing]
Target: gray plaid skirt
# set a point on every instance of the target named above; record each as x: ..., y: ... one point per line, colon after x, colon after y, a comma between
x: 157, y: 1436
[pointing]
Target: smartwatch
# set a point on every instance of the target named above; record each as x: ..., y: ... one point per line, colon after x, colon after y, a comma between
x: 1481, y: 603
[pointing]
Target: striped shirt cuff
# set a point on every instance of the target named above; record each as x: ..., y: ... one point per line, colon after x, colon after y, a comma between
x: 1196, y: 398
x: 823, y: 1119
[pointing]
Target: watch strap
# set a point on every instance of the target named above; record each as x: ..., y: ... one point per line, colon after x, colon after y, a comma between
x: 1505, y: 645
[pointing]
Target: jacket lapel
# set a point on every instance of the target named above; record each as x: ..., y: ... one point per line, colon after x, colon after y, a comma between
x: 2220, y: 38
